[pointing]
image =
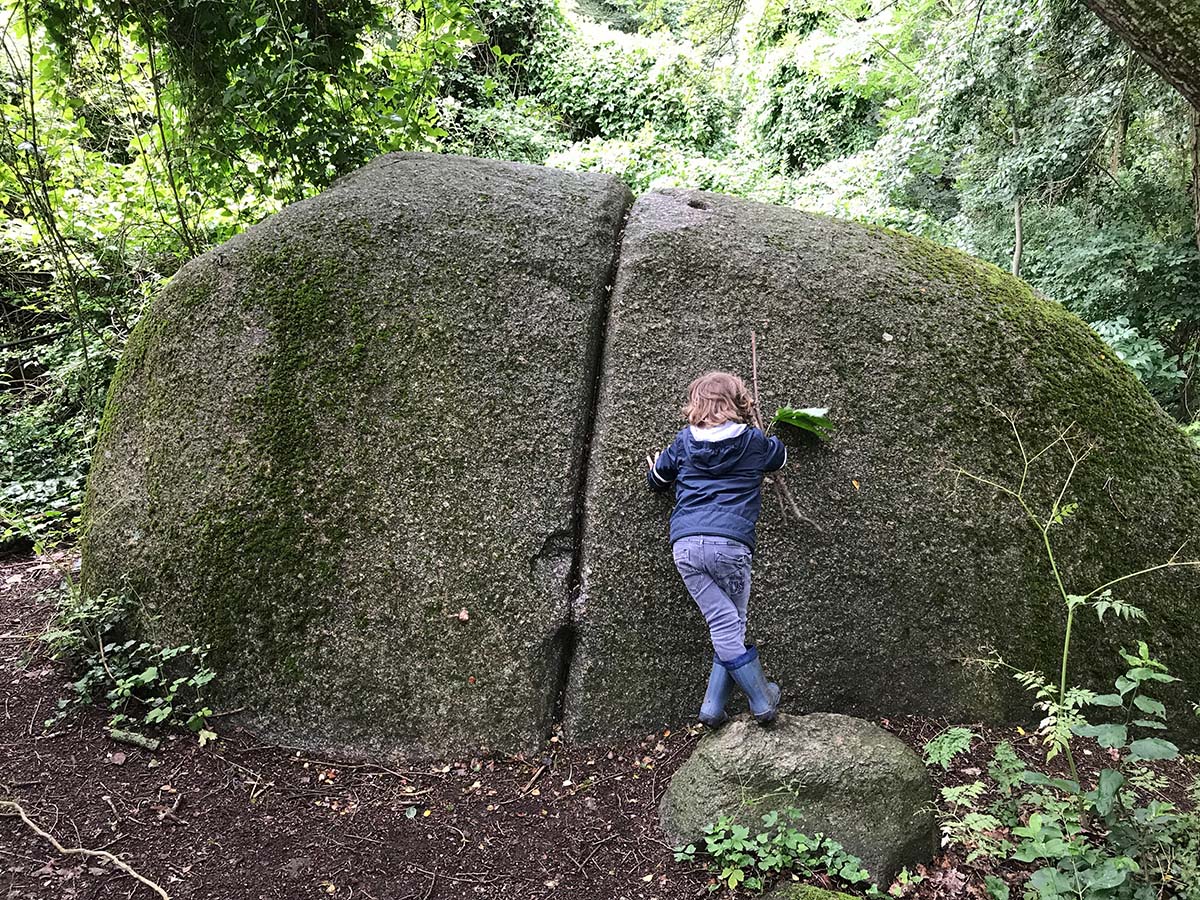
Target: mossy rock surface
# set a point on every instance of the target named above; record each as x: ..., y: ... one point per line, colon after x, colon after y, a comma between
x: 916, y: 349
x: 333, y: 433
x: 842, y: 777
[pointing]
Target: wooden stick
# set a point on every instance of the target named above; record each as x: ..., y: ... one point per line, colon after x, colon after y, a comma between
x: 782, y: 491
x: 122, y: 736
x: 19, y: 811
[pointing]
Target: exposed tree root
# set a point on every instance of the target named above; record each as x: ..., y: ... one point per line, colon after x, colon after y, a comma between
x: 13, y: 809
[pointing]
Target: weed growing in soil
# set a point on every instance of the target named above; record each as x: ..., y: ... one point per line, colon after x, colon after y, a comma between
x: 947, y: 745
x: 1112, y: 841
x: 140, y: 683
x: 741, y: 860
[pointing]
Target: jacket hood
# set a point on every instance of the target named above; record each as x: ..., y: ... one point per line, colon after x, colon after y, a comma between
x: 717, y: 457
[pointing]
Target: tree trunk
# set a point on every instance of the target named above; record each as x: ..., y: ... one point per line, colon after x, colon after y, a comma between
x: 1018, y: 204
x: 1019, y: 232
x: 1185, y: 363
x: 1118, y: 149
x: 1194, y: 150
x: 1166, y: 33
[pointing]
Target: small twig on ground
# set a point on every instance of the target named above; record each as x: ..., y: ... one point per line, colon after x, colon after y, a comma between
x: 19, y: 811
x: 536, y: 776
x: 329, y: 764
x: 782, y: 491
x: 225, y: 712
x: 132, y: 737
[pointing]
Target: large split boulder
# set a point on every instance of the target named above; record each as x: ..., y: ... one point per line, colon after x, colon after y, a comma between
x: 838, y: 776
x: 334, y: 434
x: 909, y: 569
x: 338, y: 431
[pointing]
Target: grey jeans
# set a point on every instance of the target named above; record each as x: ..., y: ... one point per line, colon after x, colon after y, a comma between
x: 716, y: 572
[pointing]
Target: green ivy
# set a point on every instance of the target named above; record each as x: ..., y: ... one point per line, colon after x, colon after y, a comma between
x: 139, y: 683
x: 741, y: 860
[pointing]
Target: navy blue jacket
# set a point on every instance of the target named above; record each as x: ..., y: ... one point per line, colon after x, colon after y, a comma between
x: 718, y: 484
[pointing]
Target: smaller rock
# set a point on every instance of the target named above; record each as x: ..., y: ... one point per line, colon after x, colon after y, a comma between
x: 846, y: 778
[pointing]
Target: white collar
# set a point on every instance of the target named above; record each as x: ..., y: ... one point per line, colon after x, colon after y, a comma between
x: 718, y: 433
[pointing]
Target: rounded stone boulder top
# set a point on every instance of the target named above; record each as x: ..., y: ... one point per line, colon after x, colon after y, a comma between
x: 835, y: 775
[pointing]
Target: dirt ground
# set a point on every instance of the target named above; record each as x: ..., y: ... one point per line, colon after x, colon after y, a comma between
x: 242, y: 819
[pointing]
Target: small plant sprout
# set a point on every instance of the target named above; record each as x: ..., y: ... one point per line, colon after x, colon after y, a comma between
x: 739, y: 859
x: 140, y: 683
x: 942, y: 749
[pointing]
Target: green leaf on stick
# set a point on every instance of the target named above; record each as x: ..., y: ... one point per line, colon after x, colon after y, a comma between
x: 814, y: 420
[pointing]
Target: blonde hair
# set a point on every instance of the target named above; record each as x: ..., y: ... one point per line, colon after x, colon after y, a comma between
x: 715, y: 398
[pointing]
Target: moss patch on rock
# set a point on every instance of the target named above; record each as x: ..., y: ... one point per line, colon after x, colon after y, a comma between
x: 792, y: 891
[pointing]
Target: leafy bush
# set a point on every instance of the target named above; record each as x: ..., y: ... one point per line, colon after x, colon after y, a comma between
x: 804, y: 122
x: 609, y: 85
x: 966, y: 825
x: 647, y: 162
x: 741, y: 860
x: 521, y: 131
x: 48, y: 419
x: 1192, y: 430
x: 138, y: 682
x: 1115, y: 840
x: 43, y: 465
x: 1147, y: 356
x: 1141, y: 834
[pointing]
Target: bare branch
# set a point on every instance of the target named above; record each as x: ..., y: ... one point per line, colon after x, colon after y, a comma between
x: 782, y: 491
x: 18, y: 811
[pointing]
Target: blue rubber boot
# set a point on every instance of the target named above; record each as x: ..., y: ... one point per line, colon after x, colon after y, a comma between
x: 763, y: 695
x: 720, y: 685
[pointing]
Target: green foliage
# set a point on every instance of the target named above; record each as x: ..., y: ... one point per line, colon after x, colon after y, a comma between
x: 140, y: 683
x: 741, y: 860
x: 943, y: 748
x: 609, y: 85
x: 309, y: 91
x: 1116, y: 839
x: 647, y: 162
x: 519, y: 130
x: 805, y: 122
x: 966, y: 826
x: 1007, y: 771
x: 813, y: 420
x: 1192, y: 430
x: 42, y: 471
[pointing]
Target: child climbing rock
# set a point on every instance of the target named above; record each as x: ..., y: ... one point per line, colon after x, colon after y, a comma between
x: 716, y: 464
